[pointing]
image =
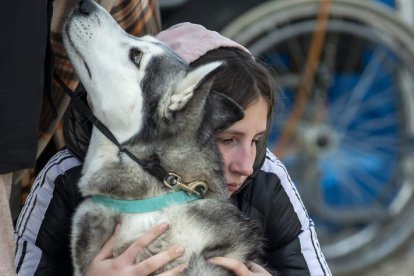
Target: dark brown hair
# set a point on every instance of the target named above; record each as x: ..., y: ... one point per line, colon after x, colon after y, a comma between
x: 245, y: 80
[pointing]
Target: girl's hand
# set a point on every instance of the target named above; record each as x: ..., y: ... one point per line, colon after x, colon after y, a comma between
x: 239, y: 268
x: 124, y: 264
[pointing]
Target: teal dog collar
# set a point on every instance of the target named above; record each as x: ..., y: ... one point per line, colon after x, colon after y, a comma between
x: 145, y: 205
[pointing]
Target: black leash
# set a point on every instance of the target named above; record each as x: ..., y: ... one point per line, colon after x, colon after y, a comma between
x: 151, y: 165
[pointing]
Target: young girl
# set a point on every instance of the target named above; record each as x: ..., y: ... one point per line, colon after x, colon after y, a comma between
x: 258, y: 182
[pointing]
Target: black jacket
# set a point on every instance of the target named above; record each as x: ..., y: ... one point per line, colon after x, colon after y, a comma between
x: 268, y: 196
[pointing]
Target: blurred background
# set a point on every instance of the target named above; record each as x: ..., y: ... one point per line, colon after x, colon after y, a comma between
x: 345, y: 123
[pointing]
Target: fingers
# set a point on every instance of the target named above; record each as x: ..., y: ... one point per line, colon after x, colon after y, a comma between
x: 106, y: 251
x: 231, y: 264
x: 157, y: 261
x: 256, y: 268
x: 146, y: 239
x: 105, y: 263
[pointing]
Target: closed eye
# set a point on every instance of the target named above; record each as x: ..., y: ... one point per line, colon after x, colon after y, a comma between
x: 226, y: 140
x: 135, y: 56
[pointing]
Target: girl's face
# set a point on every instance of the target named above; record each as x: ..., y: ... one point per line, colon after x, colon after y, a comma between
x: 237, y: 144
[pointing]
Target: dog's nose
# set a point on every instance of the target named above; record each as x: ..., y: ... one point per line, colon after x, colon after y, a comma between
x: 86, y: 7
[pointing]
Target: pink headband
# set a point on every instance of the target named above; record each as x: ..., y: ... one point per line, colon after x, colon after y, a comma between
x: 191, y: 41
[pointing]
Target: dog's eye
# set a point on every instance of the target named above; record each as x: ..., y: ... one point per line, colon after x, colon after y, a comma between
x: 135, y: 55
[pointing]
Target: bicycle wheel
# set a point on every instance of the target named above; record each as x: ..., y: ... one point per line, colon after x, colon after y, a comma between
x: 350, y: 151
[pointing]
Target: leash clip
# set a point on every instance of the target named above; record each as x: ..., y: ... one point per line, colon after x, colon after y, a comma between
x: 197, y: 187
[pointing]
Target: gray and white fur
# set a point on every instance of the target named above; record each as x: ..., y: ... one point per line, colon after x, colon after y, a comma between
x: 153, y: 103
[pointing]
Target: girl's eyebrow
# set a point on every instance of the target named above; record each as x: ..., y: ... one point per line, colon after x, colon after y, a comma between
x: 240, y: 133
x: 235, y: 132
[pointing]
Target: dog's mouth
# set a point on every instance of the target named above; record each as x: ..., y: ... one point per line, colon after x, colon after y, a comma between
x: 75, y: 49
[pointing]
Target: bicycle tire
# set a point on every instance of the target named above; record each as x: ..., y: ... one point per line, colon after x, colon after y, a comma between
x: 270, y: 24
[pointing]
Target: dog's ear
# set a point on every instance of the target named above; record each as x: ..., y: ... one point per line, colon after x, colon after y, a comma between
x: 222, y: 111
x: 185, y: 87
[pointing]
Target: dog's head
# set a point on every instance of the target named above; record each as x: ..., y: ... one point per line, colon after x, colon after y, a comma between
x: 145, y: 93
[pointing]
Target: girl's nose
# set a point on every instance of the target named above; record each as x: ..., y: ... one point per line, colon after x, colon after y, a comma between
x: 243, y: 163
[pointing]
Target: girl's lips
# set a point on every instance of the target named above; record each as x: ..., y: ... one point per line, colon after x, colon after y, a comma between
x: 232, y: 187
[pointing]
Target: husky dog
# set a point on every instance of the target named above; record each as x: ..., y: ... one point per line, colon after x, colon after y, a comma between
x: 154, y: 105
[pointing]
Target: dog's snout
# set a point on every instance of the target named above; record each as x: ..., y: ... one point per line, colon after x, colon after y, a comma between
x: 86, y: 7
